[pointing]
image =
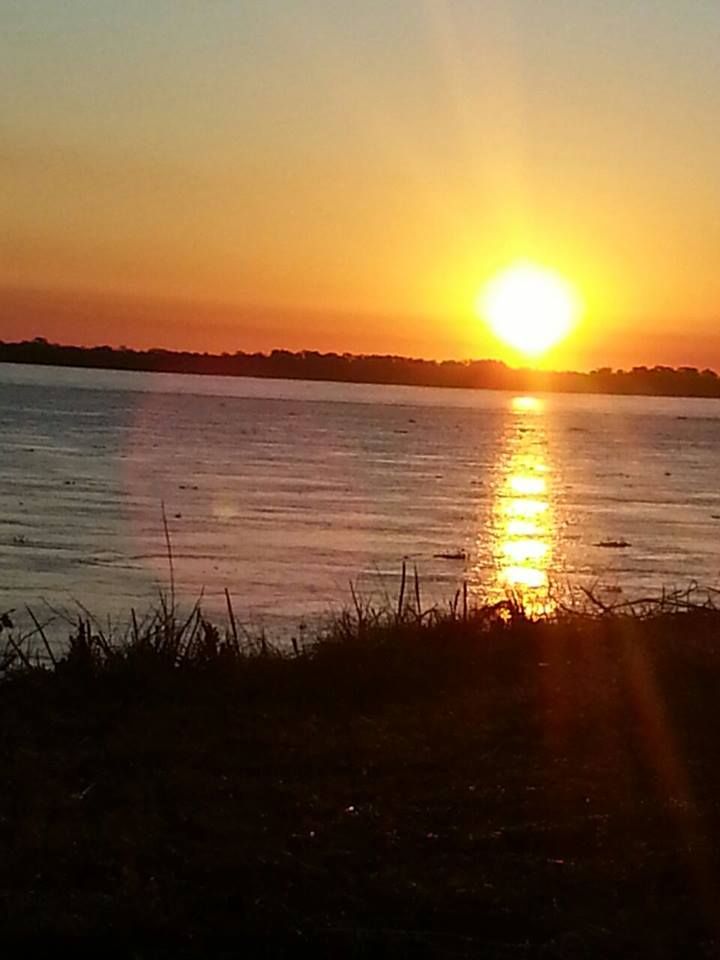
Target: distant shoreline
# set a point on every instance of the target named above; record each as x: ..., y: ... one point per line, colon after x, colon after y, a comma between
x: 371, y: 369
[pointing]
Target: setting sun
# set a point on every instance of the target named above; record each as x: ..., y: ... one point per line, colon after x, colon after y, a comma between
x: 529, y: 308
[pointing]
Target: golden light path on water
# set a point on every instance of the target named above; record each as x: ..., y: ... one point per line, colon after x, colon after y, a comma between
x: 523, y: 523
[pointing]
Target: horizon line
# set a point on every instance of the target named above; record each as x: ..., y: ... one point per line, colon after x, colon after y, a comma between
x: 602, y: 369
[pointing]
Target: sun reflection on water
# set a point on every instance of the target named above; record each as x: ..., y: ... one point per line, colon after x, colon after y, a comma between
x: 522, y: 515
x: 524, y: 404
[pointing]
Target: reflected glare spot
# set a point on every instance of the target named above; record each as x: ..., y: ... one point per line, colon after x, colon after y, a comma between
x: 224, y: 510
x: 526, y: 508
x: 523, y: 528
x: 527, y: 486
x: 528, y: 577
x: 522, y: 550
x: 527, y: 404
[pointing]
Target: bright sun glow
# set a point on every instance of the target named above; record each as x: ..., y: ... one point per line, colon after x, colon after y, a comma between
x: 529, y: 308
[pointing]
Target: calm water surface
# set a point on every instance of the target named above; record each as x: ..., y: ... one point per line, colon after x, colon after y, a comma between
x: 284, y: 491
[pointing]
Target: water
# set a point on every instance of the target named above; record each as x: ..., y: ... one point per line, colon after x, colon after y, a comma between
x: 284, y: 491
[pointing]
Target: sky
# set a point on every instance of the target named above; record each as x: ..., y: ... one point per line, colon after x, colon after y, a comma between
x: 335, y: 175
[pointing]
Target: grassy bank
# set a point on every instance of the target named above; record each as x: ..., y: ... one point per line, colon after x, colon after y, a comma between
x: 469, y: 784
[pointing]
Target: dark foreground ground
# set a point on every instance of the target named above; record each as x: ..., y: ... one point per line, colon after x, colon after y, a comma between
x: 465, y: 789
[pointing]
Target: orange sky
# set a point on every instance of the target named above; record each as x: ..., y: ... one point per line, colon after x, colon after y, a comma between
x: 248, y: 176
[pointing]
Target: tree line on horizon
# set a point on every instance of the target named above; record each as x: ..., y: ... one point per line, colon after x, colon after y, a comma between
x: 373, y: 368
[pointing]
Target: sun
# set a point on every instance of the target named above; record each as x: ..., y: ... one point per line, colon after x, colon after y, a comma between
x: 530, y: 308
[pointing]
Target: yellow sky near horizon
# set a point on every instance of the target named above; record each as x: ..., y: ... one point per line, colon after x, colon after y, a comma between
x: 250, y: 176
